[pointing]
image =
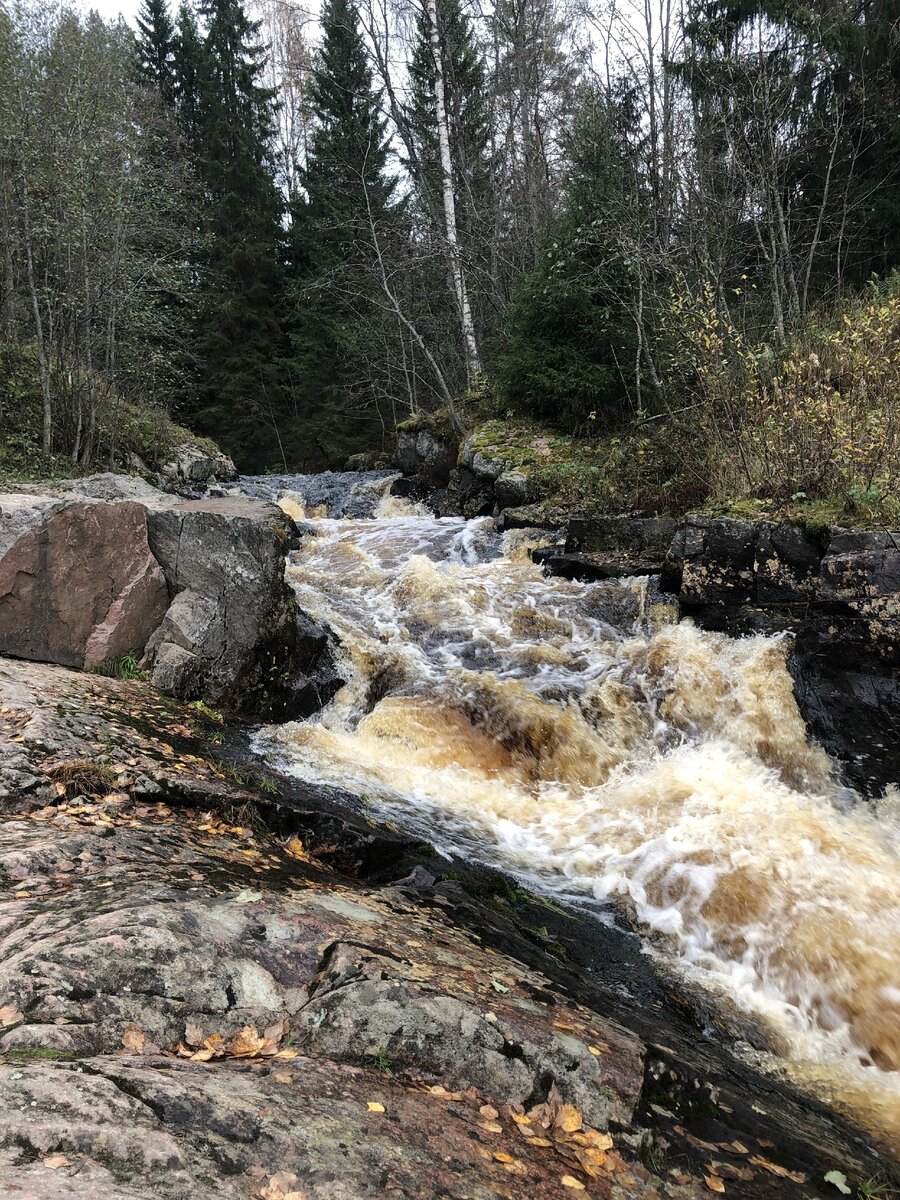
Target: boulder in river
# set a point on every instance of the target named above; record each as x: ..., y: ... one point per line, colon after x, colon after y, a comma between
x: 230, y: 632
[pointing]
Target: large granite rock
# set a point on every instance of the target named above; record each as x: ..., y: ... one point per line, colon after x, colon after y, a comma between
x: 109, y: 565
x: 78, y: 583
x: 230, y: 633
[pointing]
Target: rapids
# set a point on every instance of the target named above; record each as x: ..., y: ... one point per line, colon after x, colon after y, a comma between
x: 577, y: 736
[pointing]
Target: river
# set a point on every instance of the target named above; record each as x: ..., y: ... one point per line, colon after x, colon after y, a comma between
x: 579, y: 737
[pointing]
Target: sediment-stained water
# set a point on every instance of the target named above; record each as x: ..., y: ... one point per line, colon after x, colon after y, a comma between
x: 575, y: 734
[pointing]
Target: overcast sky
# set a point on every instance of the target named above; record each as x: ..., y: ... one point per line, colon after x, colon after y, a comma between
x: 110, y: 9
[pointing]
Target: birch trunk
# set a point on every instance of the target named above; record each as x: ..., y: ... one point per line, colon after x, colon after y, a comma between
x: 43, y: 366
x: 473, y: 362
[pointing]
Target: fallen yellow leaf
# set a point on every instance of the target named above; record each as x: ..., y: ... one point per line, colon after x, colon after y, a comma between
x: 246, y: 1044
x: 568, y: 1118
x: 714, y: 1184
x: 503, y: 1158
x: 374, y: 1106
x: 570, y: 1181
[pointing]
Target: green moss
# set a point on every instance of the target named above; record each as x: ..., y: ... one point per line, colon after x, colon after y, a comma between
x: 436, y: 423
x: 24, y: 1054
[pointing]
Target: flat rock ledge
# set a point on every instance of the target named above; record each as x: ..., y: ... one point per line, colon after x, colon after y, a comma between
x: 193, y: 1008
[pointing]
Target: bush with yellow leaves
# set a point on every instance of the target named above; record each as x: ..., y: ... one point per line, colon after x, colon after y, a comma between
x: 816, y: 421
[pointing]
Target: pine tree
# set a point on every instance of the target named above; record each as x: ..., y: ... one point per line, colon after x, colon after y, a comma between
x: 348, y: 194
x: 155, y: 45
x: 239, y: 336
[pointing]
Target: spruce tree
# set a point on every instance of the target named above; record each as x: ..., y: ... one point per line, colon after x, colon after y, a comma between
x: 348, y: 152
x: 239, y: 337
x: 187, y: 52
x: 155, y: 45
x: 347, y: 195
x: 570, y: 336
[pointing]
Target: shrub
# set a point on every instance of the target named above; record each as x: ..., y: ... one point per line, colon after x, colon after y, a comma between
x: 819, y: 420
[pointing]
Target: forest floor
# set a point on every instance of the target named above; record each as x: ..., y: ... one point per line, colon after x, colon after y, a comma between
x: 215, y: 986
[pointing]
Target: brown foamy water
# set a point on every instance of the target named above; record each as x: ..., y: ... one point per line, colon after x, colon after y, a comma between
x: 572, y: 734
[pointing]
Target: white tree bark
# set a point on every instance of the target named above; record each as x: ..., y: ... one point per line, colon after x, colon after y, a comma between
x: 473, y: 362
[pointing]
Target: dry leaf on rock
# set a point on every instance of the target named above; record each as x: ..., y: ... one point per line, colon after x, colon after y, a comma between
x: 775, y: 1169
x: 246, y: 1044
x: 374, y: 1106
x: 281, y: 1187
x: 591, y: 1160
x: 567, y: 1118
x: 136, y: 1041
x: 55, y: 1161
x: 714, y: 1183
x: 570, y: 1181
x: 193, y: 1034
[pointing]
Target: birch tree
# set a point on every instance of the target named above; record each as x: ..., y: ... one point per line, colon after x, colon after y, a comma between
x: 473, y: 361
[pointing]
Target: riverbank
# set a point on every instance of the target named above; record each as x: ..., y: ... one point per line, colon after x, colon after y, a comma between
x: 206, y: 992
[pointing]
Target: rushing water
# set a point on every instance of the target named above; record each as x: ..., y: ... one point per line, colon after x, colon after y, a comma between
x: 579, y: 736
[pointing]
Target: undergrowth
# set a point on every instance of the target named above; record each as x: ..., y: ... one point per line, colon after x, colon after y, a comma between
x: 122, y: 666
x: 123, y: 429
x: 811, y: 433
